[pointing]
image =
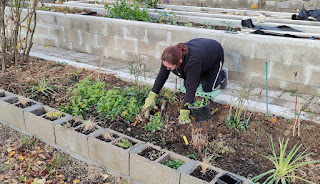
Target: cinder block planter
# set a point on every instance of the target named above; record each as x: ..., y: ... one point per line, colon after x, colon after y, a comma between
x: 38, y: 125
x: 147, y: 171
x: 12, y: 108
x: 108, y: 154
x: 69, y: 135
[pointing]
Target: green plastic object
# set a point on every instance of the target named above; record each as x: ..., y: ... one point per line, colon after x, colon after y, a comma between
x: 201, y: 93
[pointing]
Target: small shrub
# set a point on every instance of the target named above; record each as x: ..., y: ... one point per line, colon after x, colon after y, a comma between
x: 53, y: 115
x: 199, y: 141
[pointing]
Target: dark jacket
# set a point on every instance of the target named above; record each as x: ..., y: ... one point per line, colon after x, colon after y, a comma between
x: 202, y: 60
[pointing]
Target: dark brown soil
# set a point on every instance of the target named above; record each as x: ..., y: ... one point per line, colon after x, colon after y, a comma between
x: 151, y: 153
x: 207, y: 176
x: 234, y: 151
x: 28, y: 104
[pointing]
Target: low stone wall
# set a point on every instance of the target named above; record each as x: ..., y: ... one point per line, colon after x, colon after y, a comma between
x: 245, y: 54
x: 271, y: 5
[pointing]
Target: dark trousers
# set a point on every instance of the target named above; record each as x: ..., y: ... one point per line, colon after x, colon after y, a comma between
x: 213, y: 76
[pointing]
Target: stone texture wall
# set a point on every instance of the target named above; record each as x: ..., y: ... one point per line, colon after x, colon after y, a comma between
x: 245, y: 55
x: 271, y: 5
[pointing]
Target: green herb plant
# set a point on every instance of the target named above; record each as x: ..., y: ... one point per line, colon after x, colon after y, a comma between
x: 124, y: 143
x: 154, y: 124
x: 174, y: 164
x: 285, y: 165
x: 238, y: 117
x: 123, y: 10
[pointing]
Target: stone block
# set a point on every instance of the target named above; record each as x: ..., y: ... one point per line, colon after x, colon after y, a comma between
x: 127, y: 45
x: 109, y: 155
x: 157, y: 35
x: 180, y: 36
x: 88, y: 39
x: 284, y: 4
x: 38, y: 125
x: 315, y: 78
x: 64, y: 21
x: 147, y: 171
x: 47, y: 18
x: 243, y: 46
x: 80, y: 48
x: 78, y: 24
x: 97, y: 26
x: 186, y: 178
x: 72, y: 36
x: 306, y: 54
x: 134, y: 31
x: 271, y: 49
x: 115, y: 28
x: 68, y: 135
x: 42, y: 29
x: 251, y: 65
x: 147, y: 48
x: 12, y: 110
x: 98, y: 51
x: 105, y: 41
x: 283, y: 71
x: 56, y: 31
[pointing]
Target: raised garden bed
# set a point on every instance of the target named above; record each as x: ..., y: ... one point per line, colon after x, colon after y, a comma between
x: 235, y: 151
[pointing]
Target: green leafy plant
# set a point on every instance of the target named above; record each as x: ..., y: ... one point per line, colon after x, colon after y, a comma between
x: 84, y: 97
x: 124, y: 143
x: 188, y: 24
x: 42, y: 88
x: 285, y: 165
x: 154, y: 124
x: 207, y: 25
x: 122, y: 104
x: 169, y: 95
x: 227, y: 24
x: 123, y: 10
x: 27, y: 141
x: 238, y: 117
x: 174, y: 164
x: 200, y: 103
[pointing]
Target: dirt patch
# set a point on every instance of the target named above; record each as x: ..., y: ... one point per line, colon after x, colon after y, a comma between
x: 25, y: 159
x: 234, y: 151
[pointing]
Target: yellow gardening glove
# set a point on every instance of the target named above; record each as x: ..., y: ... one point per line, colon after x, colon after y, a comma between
x: 150, y: 101
x: 184, y: 116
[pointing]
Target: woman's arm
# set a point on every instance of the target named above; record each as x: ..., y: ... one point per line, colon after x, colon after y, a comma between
x: 161, y: 79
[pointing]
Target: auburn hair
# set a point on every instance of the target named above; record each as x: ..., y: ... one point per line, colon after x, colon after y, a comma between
x: 174, y: 54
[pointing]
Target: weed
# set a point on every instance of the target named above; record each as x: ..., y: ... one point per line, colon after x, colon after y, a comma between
x: 89, y: 124
x: 285, y: 166
x: 205, y: 163
x: 23, y: 101
x: 199, y: 141
x: 42, y: 88
x: 106, y: 135
x: 154, y: 124
x: 192, y: 156
x: 239, y: 120
x: 27, y: 141
x: 207, y: 25
x: 137, y: 68
x: 174, y: 164
x: 53, y: 115
x: 150, y: 3
x: 189, y: 24
x: 124, y: 143
x: 169, y: 95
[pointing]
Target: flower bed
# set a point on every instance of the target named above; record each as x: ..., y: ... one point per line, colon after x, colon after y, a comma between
x: 212, y: 139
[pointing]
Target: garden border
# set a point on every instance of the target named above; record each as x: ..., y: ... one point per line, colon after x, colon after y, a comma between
x: 123, y: 162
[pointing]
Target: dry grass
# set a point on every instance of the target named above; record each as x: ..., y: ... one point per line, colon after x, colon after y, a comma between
x: 199, y: 140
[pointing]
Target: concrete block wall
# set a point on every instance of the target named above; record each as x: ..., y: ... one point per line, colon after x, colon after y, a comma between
x: 245, y: 55
x: 273, y: 5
